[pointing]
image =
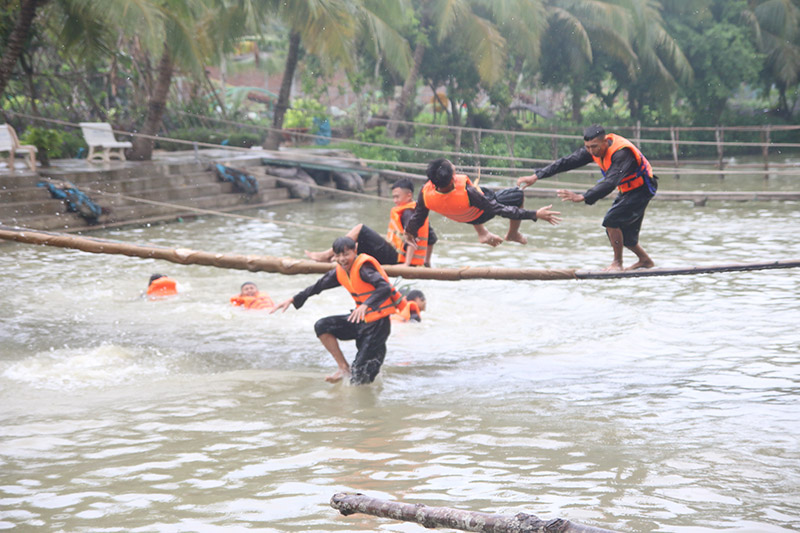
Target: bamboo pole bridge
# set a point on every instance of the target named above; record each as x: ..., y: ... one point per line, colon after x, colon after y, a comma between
x: 289, y: 266
x: 445, y: 517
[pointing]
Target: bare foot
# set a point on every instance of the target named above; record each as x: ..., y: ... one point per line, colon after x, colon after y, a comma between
x: 337, y: 376
x: 641, y: 264
x: 490, y: 238
x: 517, y: 237
x: 613, y: 267
x: 320, y: 257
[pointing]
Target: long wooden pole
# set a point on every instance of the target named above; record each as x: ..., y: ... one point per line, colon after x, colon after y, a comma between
x: 288, y: 266
x: 445, y: 517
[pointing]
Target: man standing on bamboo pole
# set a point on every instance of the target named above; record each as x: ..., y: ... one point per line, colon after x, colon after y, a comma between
x: 368, y: 324
x: 454, y: 196
x: 623, y: 166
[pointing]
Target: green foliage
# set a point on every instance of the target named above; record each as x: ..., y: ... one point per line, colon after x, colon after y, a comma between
x: 49, y: 142
x: 376, y: 136
x: 239, y: 138
x: 303, y: 112
x: 244, y: 139
x: 72, y: 142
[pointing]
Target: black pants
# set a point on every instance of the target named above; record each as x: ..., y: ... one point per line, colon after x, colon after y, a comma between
x: 512, y: 196
x: 370, y: 340
x: 371, y: 243
x: 627, y: 213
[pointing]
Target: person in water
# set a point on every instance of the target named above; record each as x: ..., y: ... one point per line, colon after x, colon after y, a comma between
x: 625, y: 168
x: 391, y: 250
x: 161, y: 286
x: 249, y: 297
x: 454, y: 196
x: 368, y: 324
x: 414, y: 308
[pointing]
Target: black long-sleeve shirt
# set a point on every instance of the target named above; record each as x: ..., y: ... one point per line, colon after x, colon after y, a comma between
x: 476, y: 199
x: 406, y: 217
x: 623, y: 163
x: 329, y: 280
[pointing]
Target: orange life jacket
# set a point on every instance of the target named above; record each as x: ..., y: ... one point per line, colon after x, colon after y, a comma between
x: 360, y: 290
x: 259, y: 301
x: 644, y: 172
x: 454, y: 204
x: 404, y: 315
x: 162, y: 286
x: 395, y: 235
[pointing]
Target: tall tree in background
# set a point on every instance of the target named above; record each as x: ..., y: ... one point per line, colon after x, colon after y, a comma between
x: 660, y: 63
x: 578, y: 31
x: 777, y: 25
x: 720, y: 49
x: 438, y: 19
x: 329, y: 29
x: 13, y: 47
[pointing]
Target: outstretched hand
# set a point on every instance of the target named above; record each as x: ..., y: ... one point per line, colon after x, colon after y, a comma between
x: 526, y: 181
x: 283, y: 305
x: 566, y: 195
x: 544, y: 213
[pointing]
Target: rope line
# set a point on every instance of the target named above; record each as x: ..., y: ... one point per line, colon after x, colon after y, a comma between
x: 466, y: 155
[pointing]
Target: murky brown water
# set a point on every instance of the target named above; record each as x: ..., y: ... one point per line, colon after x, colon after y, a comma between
x: 662, y: 404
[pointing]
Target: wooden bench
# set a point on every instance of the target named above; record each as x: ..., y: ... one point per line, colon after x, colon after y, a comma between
x: 102, y: 144
x: 10, y: 143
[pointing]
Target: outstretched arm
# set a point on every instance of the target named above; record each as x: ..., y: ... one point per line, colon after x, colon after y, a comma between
x: 576, y: 159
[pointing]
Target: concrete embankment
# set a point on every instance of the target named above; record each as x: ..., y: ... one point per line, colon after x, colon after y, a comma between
x: 174, y: 185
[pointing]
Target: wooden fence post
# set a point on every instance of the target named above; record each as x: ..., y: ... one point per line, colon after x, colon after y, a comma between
x: 637, y: 134
x: 673, y: 133
x: 476, y: 145
x: 458, y: 143
x: 554, y: 141
x: 765, y: 137
x: 510, y: 145
x: 719, y: 134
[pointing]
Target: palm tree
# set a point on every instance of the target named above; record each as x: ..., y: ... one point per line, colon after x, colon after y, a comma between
x: 437, y: 20
x: 777, y: 25
x: 17, y: 38
x: 330, y: 29
x: 578, y: 30
x: 661, y: 64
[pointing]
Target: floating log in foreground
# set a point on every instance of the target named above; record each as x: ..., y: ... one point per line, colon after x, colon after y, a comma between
x: 435, y: 517
x: 288, y: 266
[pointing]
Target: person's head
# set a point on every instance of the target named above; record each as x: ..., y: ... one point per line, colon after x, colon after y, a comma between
x: 594, y: 139
x: 155, y: 277
x: 402, y: 191
x: 344, y: 252
x: 441, y: 172
x: 418, y: 297
x: 249, y: 289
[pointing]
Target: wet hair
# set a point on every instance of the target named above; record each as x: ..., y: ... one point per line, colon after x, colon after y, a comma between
x: 440, y: 172
x: 155, y: 277
x: 592, y: 132
x: 248, y: 283
x: 342, y: 244
x: 403, y: 183
x: 412, y: 295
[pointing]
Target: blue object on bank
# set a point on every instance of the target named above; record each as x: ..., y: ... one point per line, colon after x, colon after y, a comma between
x: 323, y: 128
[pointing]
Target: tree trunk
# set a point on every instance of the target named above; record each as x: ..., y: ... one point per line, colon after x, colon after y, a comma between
x: 273, y: 141
x: 142, y: 146
x: 409, y: 87
x: 435, y: 517
x: 16, y: 41
x: 577, y: 104
x: 519, y: 62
